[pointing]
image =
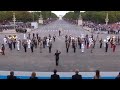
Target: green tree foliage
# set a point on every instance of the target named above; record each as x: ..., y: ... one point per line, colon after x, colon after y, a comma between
x: 96, y: 16
x: 69, y: 15
x: 48, y: 15
x: 25, y: 16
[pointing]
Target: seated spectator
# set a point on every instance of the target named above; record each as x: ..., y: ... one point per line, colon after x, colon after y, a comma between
x: 11, y: 76
x: 118, y: 76
x: 33, y: 76
x: 97, y: 76
x: 77, y: 76
x: 55, y: 76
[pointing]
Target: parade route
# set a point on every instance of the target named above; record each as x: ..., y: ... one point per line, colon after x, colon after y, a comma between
x: 68, y: 62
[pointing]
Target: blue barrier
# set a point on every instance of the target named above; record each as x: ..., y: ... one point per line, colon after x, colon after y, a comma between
x: 42, y: 77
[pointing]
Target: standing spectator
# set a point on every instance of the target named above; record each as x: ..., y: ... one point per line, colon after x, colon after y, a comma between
x: 55, y: 76
x: 97, y: 76
x: 33, y: 76
x: 77, y: 76
x: 57, y: 57
x: 118, y: 76
x: 11, y: 76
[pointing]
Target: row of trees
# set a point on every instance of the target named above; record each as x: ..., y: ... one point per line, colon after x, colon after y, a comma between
x: 25, y: 16
x: 95, y: 16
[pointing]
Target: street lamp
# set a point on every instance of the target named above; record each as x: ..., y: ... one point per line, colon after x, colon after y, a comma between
x: 106, y: 19
x: 14, y: 19
x: 33, y: 16
x: 80, y: 20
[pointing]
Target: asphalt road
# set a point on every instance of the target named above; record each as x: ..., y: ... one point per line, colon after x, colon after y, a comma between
x: 45, y: 62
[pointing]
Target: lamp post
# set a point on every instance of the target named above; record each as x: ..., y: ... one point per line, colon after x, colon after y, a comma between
x: 80, y: 20
x: 14, y: 19
x: 33, y: 16
x: 106, y: 19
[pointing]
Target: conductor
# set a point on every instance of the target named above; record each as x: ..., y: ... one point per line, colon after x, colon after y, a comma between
x: 57, y: 57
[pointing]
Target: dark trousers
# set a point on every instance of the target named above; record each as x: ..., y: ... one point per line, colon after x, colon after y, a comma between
x: 25, y: 48
x: 10, y: 46
x: 14, y: 45
x: 32, y: 49
x: 43, y: 45
x: 57, y: 62
x: 106, y: 49
x: 50, y: 49
x: 93, y: 45
x: 80, y: 45
x: 67, y: 50
x: 85, y: 42
x: 101, y: 45
x: 54, y: 39
x: 74, y: 49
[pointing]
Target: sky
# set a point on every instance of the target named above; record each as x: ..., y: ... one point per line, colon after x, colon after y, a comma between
x: 58, y: 13
x: 62, y: 12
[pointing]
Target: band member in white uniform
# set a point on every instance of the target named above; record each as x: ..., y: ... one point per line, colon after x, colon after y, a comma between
x: 5, y: 40
x: 82, y: 47
x: 28, y: 42
x: 18, y: 44
x: 47, y: 42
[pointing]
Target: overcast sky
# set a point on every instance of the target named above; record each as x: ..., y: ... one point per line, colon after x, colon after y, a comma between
x: 61, y: 12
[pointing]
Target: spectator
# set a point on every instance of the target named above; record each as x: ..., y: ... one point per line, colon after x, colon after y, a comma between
x: 33, y: 76
x: 11, y: 76
x: 55, y: 76
x: 77, y: 76
x: 97, y: 76
x: 118, y: 76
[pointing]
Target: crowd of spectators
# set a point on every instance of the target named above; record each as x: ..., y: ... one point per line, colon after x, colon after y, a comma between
x: 55, y: 76
x: 110, y: 28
